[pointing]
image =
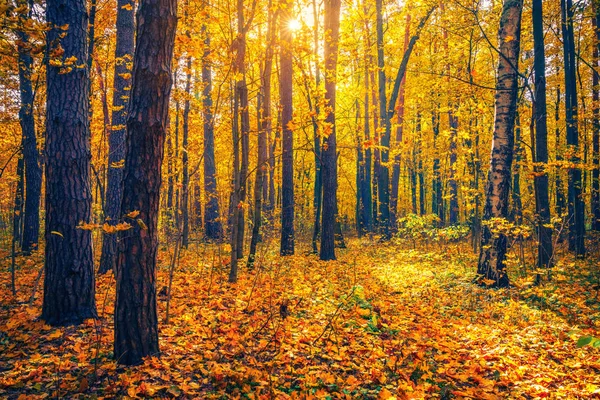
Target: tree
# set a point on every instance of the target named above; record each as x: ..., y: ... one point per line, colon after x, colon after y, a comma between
x: 136, y: 324
x: 494, y: 245
x: 264, y: 120
x: 116, y: 139
x: 328, y: 153
x: 287, y: 157
x: 212, y: 225
x: 576, y: 206
x: 33, y: 171
x: 596, y: 120
x: 69, y: 286
x: 542, y: 201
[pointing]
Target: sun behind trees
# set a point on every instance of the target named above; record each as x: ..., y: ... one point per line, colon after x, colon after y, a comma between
x: 248, y: 139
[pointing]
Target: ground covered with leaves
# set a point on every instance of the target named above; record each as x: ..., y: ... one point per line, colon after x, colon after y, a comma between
x: 383, y: 321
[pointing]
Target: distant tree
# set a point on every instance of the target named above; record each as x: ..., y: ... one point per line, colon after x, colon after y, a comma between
x: 494, y: 245
x: 576, y: 207
x: 69, y: 286
x: 542, y: 201
x: 136, y: 323
x: 212, y: 225
x: 287, y: 157
x: 328, y: 153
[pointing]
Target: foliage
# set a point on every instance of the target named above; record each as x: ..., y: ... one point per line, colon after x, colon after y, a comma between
x: 380, y: 322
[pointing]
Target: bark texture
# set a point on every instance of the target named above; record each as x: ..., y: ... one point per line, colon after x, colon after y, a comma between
x: 494, y: 245
x: 69, y: 285
x: 136, y: 323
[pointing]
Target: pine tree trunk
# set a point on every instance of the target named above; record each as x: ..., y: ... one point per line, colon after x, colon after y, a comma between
x: 116, y: 139
x: 287, y: 156
x: 69, y: 285
x: 329, y: 152
x: 33, y: 171
x: 494, y: 245
x: 136, y: 322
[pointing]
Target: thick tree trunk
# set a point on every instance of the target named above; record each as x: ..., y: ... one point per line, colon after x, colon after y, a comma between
x: 329, y: 152
x: 116, y: 139
x: 494, y: 245
x: 33, y: 171
x: 542, y: 201
x: 69, y: 285
x: 576, y: 206
x: 287, y: 156
x: 136, y: 323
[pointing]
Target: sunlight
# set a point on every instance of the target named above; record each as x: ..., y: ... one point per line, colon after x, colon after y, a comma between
x: 294, y: 25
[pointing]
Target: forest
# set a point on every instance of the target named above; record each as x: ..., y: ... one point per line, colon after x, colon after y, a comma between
x: 300, y: 199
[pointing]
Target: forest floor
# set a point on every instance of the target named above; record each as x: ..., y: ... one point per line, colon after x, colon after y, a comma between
x: 383, y: 321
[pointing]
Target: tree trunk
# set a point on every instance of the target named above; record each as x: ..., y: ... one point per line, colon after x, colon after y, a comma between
x: 69, y: 285
x: 494, y: 245
x: 213, y: 229
x: 116, y: 139
x: 287, y: 156
x: 383, y: 173
x: 185, y: 180
x: 33, y: 171
x: 560, y: 195
x: 542, y: 201
x: 264, y: 132
x: 576, y: 206
x: 399, y: 130
x: 136, y: 322
x: 596, y: 121
x: 329, y: 152
x: 318, y: 187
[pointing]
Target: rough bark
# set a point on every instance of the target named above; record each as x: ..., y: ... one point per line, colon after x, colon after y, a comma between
x: 494, y: 245
x: 69, y: 285
x: 136, y: 323
x: 116, y: 139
